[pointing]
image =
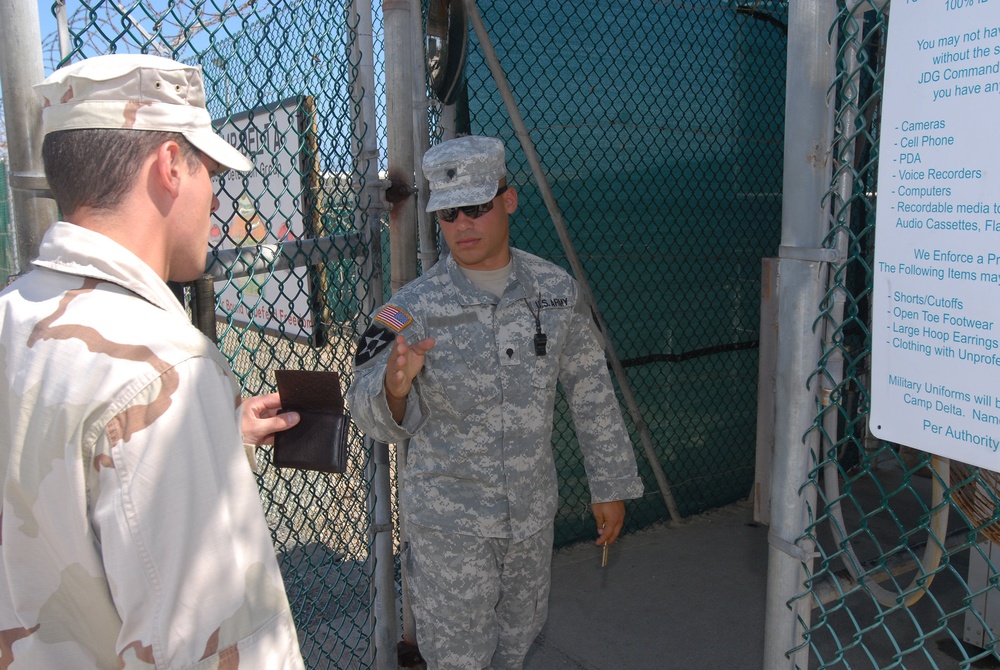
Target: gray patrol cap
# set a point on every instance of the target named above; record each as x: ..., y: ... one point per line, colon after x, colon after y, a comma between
x: 135, y: 92
x: 464, y: 171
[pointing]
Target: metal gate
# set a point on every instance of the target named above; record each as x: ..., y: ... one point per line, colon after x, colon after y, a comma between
x: 297, y: 258
x: 661, y: 128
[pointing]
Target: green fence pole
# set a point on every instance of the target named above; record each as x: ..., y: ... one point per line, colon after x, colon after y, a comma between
x: 6, y: 225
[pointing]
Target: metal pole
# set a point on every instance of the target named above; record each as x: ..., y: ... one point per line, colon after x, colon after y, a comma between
x: 21, y: 68
x: 371, y: 204
x: 581, y: 275
x: 386, y: 632
x: 399, y: 117
x: 368, y: 217
x: 397, y: 18
x: 802, y: 277
x: 203, y: 306
x: 428, y: 253
x: 62, y: 26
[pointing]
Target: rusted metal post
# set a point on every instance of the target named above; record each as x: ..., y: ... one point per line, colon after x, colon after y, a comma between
x: 399, y: 118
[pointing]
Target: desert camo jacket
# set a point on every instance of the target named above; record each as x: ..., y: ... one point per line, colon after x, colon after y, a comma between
x: 131, y: 533
x: 479, y: 414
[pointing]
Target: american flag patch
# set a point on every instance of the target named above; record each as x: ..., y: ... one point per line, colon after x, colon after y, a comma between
x: 395, y: 318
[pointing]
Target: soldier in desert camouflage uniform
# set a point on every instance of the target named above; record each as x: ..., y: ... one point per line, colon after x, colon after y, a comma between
x: 132, y: 530
x: 464, y: 362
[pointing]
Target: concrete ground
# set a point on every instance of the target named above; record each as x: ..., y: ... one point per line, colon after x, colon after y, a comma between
x: 685, y: 598
x: 692, y: 598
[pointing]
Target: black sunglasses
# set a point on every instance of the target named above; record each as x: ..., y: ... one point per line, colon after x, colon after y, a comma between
x: 472, y: 211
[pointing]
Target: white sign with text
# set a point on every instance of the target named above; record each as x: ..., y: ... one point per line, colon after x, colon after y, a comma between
x: 268, y: 211
x: 936, y: 304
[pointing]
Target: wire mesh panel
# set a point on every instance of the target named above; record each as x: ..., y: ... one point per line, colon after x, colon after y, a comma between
x: 281, y: 82
x: 904, y: 574
x: 660, y: 129
x: 7, y: 267
x: 659, y: 126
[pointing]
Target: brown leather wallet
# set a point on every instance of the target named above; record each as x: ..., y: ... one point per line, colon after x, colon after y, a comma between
x: 319, y: 440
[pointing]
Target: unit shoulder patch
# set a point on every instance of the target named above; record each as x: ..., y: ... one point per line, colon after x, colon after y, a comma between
x: 372, y: 342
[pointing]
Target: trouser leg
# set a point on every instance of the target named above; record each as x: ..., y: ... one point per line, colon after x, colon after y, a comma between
x: 478, y: 602
x: 524, y: 598
x: 454, y: 588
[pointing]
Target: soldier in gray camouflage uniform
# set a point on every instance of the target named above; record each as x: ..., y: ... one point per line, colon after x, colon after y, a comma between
x: 464, y: 362
x: 132, y: 529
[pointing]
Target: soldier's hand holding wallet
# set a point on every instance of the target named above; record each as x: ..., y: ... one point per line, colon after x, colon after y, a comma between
x: 319, y: 440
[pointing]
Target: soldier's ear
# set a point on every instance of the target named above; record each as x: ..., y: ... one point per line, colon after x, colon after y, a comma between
x: 509, y: 200
x: 168, y: 167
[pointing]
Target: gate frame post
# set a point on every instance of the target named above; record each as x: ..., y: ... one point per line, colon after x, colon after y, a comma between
x: 802, y: 271
x: 20, y: 69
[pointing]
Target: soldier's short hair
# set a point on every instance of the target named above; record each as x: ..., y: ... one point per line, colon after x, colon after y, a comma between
x: 97, y: 167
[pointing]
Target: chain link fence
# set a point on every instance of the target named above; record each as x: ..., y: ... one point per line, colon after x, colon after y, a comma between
x: 904, y: 576
x: 7, y: 266
x: 292, y: 272
x: 660, y: 127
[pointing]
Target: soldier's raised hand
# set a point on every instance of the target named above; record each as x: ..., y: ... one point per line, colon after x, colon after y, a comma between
x: 404, y: 364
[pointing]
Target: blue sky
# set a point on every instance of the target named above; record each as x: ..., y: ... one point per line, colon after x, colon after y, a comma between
x: 47, y: 23
x: 184, y: 10
x: 107, y: 15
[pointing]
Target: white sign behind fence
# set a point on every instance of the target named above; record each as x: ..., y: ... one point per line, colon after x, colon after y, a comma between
x: 268, y: 211
x: 936, y: 304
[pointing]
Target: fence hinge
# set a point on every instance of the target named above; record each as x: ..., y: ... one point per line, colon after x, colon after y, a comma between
x: 793, y: 550
x: 37, y: 185
x: 820, y: 255
x: 377, y: 528
x: 398, y: 191
x: 375, y: 195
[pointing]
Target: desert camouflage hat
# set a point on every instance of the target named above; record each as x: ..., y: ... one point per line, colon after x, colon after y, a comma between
x: 136, y: 92
x: 464, y: 171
